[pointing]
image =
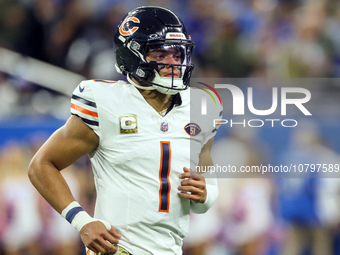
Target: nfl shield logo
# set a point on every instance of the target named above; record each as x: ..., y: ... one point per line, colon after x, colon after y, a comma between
x: 164, y: 126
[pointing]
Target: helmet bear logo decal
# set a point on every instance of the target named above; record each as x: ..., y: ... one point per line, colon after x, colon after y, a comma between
x: 156, y: 29
x: 124, y: 32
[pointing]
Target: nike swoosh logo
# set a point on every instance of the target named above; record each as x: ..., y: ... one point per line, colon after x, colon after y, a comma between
x: 81, y: 89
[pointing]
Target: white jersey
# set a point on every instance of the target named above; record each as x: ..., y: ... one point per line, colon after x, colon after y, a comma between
x: 138, y: 161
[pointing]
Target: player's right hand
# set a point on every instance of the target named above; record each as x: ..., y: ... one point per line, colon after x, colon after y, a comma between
x: 97, y: 238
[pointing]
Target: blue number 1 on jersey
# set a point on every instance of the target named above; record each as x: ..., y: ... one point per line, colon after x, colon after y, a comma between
x: 164, y: 171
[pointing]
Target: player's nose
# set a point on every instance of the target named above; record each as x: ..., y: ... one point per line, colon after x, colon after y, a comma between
x: 172, y: 61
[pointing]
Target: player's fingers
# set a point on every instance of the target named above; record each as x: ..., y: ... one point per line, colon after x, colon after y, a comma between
x: 196, y: 176
x: 191, y: 189
x: 193, y: 197
x: 96, y: 248
x: 193, y: 182
x: 114, y: 232
x: 97, y: 238
x: 188, y: 173
x: 186, y: 169
x: 184, y: 175
x: 111, y: 241
x: 107, y: 243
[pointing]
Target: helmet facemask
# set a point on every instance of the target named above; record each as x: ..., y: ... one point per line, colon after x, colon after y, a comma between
x: 165, y: 67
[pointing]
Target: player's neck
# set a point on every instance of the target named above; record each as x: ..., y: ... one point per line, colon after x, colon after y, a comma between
x: 160, y: 102
x: 157, y: 100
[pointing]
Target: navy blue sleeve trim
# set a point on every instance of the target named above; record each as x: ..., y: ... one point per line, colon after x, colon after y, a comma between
x: 90, y: 122
x: 84, y: 101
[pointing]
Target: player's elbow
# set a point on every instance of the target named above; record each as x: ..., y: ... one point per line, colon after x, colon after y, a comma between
x: 34, y: 170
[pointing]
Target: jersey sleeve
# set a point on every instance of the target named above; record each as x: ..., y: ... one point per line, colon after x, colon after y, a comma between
x: 83, y: 105
x: 206, y: 111
x: 213, y: 117
x: 215, y: 123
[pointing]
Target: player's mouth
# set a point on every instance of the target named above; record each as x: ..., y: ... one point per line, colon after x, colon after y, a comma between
x: 171, y: 75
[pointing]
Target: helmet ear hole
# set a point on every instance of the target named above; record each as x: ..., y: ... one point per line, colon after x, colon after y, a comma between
x: 126, y: 60
x: 129, y: 63
x: 147, y: 70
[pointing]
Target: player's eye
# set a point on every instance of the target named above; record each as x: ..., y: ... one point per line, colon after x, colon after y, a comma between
x: 157, y: 55
x: 177, y: 57
x: 160, y: 56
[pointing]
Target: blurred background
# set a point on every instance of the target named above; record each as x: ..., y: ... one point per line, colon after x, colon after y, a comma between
x: 48, y: 46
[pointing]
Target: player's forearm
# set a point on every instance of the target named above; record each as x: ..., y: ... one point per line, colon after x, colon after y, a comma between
x: 49, y: 182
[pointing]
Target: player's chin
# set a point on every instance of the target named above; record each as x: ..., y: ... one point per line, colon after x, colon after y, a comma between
x: 171, y: 76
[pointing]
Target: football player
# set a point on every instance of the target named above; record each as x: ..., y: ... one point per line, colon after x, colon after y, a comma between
x: 142, y: 139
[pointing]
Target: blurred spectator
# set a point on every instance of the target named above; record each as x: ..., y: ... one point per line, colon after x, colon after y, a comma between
x: 244, y: 207
x: 296, y: 38
x: 23, y: 222
x: 28, y: 225
x: 58, y: 237
x: 308, y: 202
x: 311, y: 50
x: 12, y: 21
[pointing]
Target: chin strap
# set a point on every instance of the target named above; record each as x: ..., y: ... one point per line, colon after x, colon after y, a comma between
x: 165, y: 87
x: 139, y: 86
x: 168, y: 84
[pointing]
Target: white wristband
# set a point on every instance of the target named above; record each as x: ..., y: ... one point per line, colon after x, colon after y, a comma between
x: 78, y: 218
